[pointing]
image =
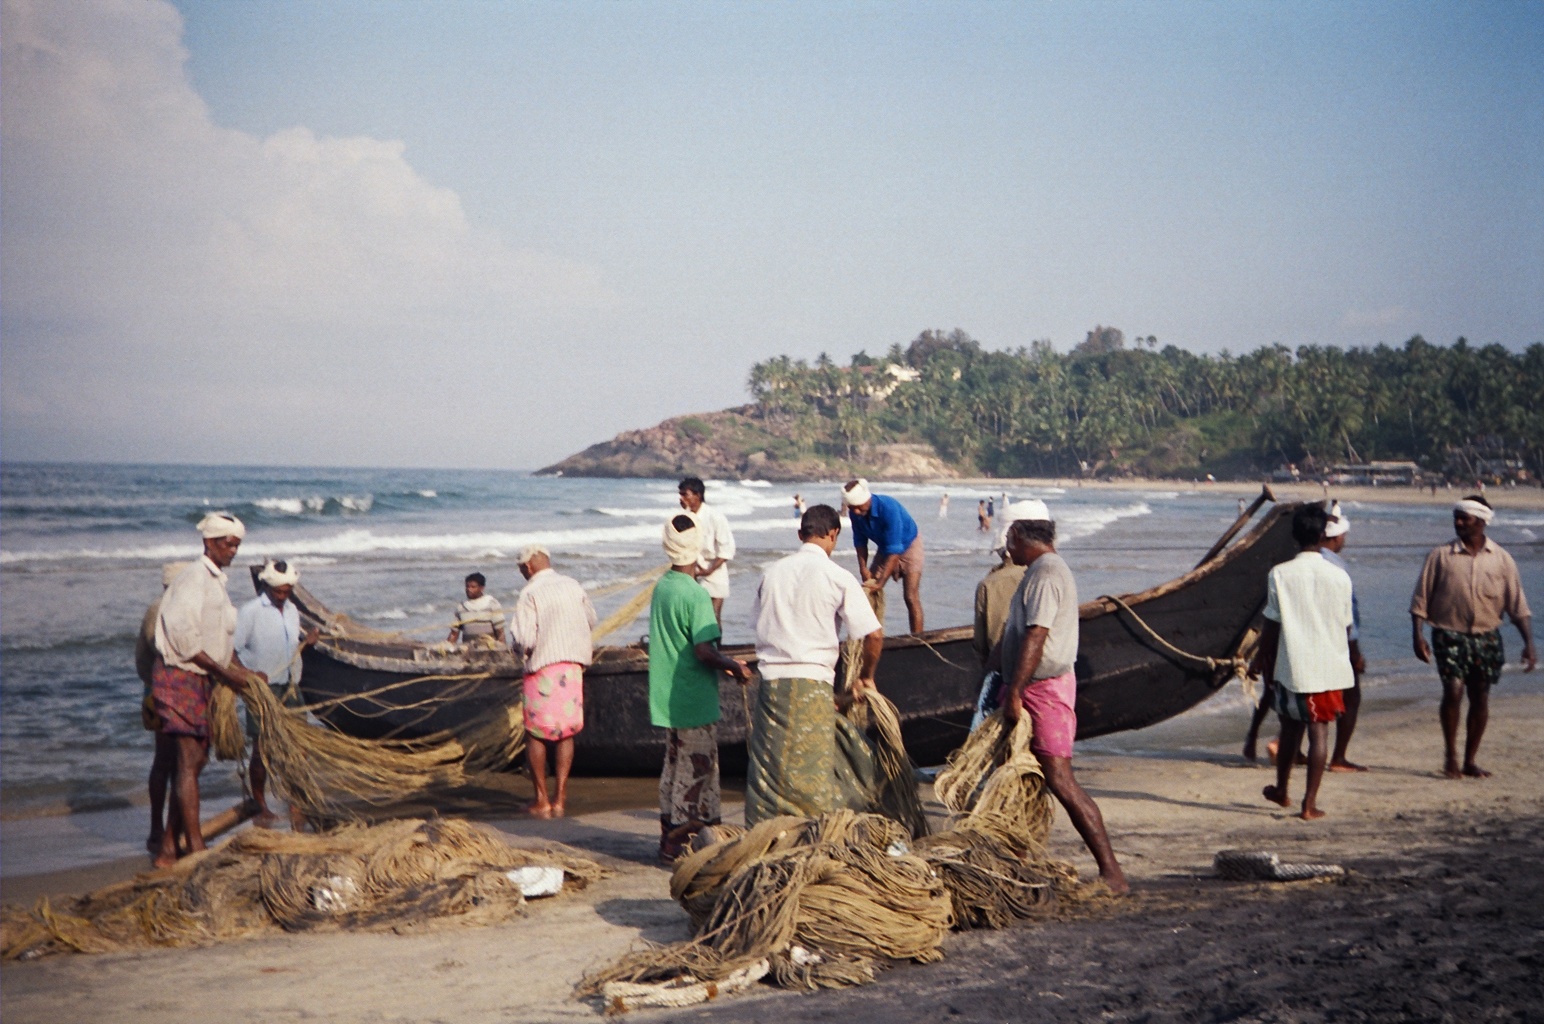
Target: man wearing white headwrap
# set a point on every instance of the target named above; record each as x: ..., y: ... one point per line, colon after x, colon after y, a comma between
x: 165, y: 760
x: 1464, y: 589
x: 194, y: 650
x: 684, y: 663
x: 268, y: 640
x: 898, y: 543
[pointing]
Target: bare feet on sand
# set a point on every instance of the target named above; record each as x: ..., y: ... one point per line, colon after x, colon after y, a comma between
x: 1276, y: 796
x: 539, y: 810
x: 1249, y: 753
x: 1311, y: 814
x: 1117, y: 884
x: 1346, y: 766
x: 1474, y: 771
x: 558, y: 810
x: 1452, y: 771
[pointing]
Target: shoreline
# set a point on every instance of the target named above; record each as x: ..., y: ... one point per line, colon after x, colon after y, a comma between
x: 1404, y: 832
x: 1529, y: 498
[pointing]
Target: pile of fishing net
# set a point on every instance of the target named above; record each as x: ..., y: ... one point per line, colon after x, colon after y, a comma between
x: 396, y: 876
x: 827, y: 902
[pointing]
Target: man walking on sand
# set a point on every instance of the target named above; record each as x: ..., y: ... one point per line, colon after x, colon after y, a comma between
x: 1036, y: 655
x: 1464, y: 589
x: 550, y: 626
x: 1305, y: 648
x: 898, y: 543
x: 194, y: 650
x: 1335, y: 532
x: 684, y: 663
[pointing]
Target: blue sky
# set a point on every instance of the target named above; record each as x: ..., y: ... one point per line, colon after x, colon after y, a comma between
x: 406, y: 222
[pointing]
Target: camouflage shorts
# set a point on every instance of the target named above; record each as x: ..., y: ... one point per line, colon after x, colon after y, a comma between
x: 1470, y: 657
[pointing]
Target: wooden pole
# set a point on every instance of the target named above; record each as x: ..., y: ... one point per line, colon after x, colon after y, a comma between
x: 226, y: 820
x: 1222, y: 542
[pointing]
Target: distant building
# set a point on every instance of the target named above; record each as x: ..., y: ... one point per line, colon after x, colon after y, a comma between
x: 1375, y: 474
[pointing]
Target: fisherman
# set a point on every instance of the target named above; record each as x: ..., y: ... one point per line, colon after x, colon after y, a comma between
x: 994, y: 597
x: 1305, y: 649
x: 684, y: 662
x: 165, y: 760
x: 716, y: 540
x: 551, y: 626
x: 898, y: 542
x: 1335, y: 532
x: 943, y: 506
x: 983, y: 521
x: 1464, y: 588
x: 479, y: 615
x: 803, y: 603
x: 1036, y: 654
x: 194, y: 650
x: 268, y: 640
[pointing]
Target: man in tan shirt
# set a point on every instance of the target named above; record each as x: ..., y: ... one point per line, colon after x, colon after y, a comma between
x: 1464, y: 589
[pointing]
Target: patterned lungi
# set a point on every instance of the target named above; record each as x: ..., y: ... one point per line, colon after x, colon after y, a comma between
x: 689, y: 785
x: 805, y: 759
x: 181, y: 700
x: 554, y: 701
x: 1469, y: 657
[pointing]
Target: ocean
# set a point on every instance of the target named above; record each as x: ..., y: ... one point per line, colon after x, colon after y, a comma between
x: 81, y: 548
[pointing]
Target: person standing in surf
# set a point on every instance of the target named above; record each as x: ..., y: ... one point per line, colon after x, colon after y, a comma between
x: 716, y: 543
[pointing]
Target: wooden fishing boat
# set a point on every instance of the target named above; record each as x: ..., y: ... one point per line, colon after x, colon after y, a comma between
x: 1142, y: 658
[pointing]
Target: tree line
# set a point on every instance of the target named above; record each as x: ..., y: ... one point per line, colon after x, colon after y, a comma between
x: 1106, y: 408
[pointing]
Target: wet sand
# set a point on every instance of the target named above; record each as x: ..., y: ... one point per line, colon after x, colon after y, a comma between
x: 1438, y: 920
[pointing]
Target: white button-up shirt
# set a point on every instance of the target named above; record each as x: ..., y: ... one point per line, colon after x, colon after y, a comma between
x: 552, y: 621
x: 267, y: 637
x: 717, y: 542
x: 803, y: 603
x: 1312, y: 601
x: 196, y: 615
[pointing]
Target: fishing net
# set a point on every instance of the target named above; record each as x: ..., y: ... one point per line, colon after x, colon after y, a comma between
x: 827, y: 902
x: 226, y: 737
x: 396, y: 876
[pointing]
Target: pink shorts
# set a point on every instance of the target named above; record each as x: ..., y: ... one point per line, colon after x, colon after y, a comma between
x: 1051, y: 704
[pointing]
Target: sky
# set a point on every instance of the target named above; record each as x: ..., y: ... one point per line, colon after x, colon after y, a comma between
x: 472, y: 234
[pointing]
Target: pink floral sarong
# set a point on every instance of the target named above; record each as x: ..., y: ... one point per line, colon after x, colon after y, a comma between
x: 554, y: 701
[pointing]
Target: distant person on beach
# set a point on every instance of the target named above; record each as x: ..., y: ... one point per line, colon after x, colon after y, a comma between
x: 983, y: 521
x: 991, y: 509
x: 550, y: 627
x: 479, y: 615
x: 1036, y: 654
x: 684, y: 662
x: 898, y: 545
x: 1305, y: 651
x: 804, y: 602
x: 165, y: 760
x: 943, y: 506
x: 717, y: 543
x: 268, y: 640
x: 1464, y: 589
x: 193, y: 645
x: 994, y: 597
x: 798, y: 506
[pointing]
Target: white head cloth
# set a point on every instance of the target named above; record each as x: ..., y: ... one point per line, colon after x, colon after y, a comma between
x: 171, y: 570
x: 1470, y: 507
x: 1029, y: 508
x: 857, y: 494
x: 529, y: 552
x: 1338, y: 524
x: 682, y: 546
x: 272, y: 577
x: 221, y: 524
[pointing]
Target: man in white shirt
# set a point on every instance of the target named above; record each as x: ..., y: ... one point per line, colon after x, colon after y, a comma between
x: 717, y: 544
x: 550, y: 628
x: 193, y: 642
x: 803, y: 603
x: 268, y: 640
x: 1305, y: 650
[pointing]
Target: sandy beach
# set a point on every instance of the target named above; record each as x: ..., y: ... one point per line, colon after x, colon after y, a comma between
x: 1438, y: 919
x: 1531, y: 498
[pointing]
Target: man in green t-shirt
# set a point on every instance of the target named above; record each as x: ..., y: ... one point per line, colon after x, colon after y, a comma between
x: 684, y: 662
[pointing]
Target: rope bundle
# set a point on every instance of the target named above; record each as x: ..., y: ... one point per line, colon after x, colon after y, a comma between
x: 401, y: 874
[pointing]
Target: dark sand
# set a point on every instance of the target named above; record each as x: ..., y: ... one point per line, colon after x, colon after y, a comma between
x: 1441, y: 919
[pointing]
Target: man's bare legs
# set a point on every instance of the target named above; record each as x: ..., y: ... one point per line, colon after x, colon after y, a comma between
x: 257, y: 774
x: 565, y: 763
x: 1479, y: 717
x: 718, y: 611
x: 1252, y: 737
x: 1086, y: 818
x: 536, y: 762
x: 1318, y: 756
x: 192, y: 752
x: 161, y: 768
x: 1345, y: 727
x: 911, y: 592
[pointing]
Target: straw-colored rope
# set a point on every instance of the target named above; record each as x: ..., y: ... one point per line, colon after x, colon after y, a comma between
x: 1236, y: 663
x: 397, y: 875
x: 629, y: 611
x: 226, y: 736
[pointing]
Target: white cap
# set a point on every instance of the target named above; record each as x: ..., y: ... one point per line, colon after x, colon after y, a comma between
x: 529, y: 552
x: 1338, y: 523
x: 1030, y: 508
x: 221, y: 524
x: 273, y: 576
x: 857, y: 494
x: 682, y: 546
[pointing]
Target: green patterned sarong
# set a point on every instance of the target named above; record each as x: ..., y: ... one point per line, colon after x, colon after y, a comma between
x: 805, y: 759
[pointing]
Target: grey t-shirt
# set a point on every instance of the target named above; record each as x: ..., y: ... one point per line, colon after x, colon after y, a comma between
x: 1047, y: 596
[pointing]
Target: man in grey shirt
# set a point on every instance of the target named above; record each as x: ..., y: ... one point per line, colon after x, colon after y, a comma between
x: 1036, y: 655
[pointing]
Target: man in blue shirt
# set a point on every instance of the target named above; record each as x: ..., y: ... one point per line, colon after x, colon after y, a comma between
x: 268, y: 640
x: 884, y: 521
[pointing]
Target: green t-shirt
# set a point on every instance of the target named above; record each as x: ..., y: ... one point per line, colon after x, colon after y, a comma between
x: 683, y: 692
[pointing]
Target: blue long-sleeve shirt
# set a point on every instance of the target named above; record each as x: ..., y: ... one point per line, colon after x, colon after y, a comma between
x: 888, y: 526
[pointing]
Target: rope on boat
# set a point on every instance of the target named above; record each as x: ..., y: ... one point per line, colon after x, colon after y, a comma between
x: 1236, y: 663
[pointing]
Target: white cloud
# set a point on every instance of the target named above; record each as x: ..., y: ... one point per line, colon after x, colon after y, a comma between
x: 152, y: 259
